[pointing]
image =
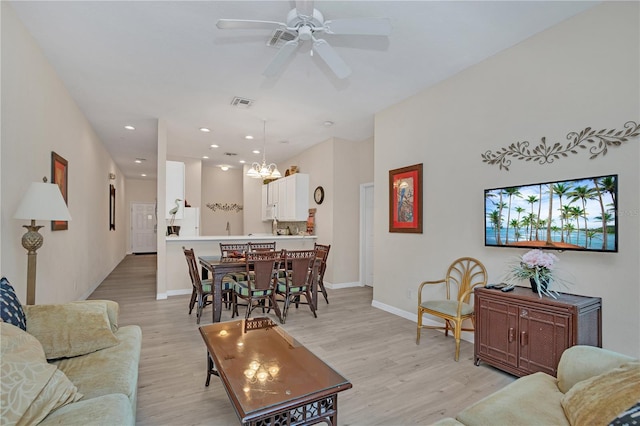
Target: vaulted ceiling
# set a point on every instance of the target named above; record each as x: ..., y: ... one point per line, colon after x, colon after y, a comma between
x: 134, y: 62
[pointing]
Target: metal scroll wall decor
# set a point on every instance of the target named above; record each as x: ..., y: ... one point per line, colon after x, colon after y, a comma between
x: 226, y: 207
x: 598, y: 143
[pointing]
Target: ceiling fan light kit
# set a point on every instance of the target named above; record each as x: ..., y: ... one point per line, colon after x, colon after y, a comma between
x: 305, y: 22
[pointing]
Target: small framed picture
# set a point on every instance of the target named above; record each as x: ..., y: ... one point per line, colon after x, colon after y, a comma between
x: 59, y: 175
x: 405, y: 199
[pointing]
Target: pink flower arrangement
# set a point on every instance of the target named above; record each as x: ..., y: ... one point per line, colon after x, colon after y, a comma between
x: 536, y: 258
x: 535, y: 266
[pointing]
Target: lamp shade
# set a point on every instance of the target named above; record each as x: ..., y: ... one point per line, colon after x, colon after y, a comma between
x: 43, y: 201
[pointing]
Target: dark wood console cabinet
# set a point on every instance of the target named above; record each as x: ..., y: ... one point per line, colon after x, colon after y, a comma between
x: 521, y: 333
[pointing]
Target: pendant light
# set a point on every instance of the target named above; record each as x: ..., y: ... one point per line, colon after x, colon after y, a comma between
x: 264, y: 171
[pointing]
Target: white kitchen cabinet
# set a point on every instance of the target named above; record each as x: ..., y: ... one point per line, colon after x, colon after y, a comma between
x: 286, y: 199
x: 174, y: 189
x: 268, y: 206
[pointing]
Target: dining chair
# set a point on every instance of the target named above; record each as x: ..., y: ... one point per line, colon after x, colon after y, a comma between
x: 262, y: 246
x: 234, y: 251
x: 202, y: 289
x: 301, y: 267
x: 465, y: 274
x: 260, y: 285
x: 322, y: 251
x: 231, y: 250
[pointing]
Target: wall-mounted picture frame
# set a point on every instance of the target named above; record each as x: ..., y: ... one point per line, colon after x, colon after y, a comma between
x: 405, y: 199
x: 112, y: 207
x: 59, y: 176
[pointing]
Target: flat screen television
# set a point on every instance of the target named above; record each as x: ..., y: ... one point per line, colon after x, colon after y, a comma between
x: 576, y: 214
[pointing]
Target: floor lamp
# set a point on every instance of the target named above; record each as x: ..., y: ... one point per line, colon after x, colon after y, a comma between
x: 42, y: 201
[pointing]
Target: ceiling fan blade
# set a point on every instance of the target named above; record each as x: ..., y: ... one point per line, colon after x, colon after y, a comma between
x: 331, y: 58
x: 244, y: 24
x: 281, y: 58
x: 359, y: 26
x: 304, y: 7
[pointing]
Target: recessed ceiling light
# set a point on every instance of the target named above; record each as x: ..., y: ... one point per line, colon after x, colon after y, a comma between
x: 206, y: 157
x: 139, y: 160
x: 143, y: 175
x: 241, y: 161
x: 328, y: 123
x: 204, y: 129
x: 213, y: 146
x: 248, y: 137
x: 224, y: 168
x: 255, y: 151
x: 129, y: 127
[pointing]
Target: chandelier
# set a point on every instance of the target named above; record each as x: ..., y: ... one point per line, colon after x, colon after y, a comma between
x: 263, y: 171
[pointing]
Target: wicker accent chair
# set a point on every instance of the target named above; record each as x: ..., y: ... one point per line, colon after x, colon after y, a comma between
x: 202, y: 289
x: 301, y: 269
x: 322, y: 251
x: 260, y: 286
x: 465, y: 274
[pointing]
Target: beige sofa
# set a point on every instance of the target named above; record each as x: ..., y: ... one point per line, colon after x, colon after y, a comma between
x: 89, y: 376
x: 593, y: 387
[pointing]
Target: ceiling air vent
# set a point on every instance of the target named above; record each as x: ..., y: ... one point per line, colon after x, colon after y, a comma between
x: 280, y: 37
x: 241, y: 102
x: 230, y: 154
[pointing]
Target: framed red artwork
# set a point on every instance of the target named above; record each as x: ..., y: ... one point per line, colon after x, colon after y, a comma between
x: 59, y: 173
x: 405, y: 199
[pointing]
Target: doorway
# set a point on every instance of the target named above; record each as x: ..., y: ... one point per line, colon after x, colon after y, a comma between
x: 366, y: 234
x: 143, y: 228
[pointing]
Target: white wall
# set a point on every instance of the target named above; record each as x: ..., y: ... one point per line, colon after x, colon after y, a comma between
x: 583, y: 72
x: 137, y: 191
x: 221, y: 187
x: 339, y: 166
x: 39, y: 116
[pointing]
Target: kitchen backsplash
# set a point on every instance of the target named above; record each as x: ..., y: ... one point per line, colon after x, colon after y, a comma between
x: 291, y: 228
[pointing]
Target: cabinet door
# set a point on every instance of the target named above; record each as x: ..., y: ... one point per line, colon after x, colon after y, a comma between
x: 265, y: 202
x: 498, y: 334
x: 543, y: 336
x: 284, y: 210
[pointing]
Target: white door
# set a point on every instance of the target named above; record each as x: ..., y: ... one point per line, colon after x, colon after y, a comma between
x: 366, y: 234
x: 143, y: 228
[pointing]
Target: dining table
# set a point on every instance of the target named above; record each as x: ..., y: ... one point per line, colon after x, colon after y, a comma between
x: 219, y: 267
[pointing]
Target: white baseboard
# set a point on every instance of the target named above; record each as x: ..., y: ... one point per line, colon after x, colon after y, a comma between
x: 466, y: 335
x: 161, y: 296
x: 180, y: 292
x: 342, y: 285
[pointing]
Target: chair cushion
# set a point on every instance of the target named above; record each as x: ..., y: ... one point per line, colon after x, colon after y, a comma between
x: 71, y: 329
x: 10, y: 307
x: 601, y: 398
x: 242, y: 288
x: 227, y: 284
x: 236, y: 276
x: 447, y: 307
x: 31, y: 388
x: 282, y: 287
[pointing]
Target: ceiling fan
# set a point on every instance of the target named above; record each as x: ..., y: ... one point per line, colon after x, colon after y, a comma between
x: 305, y: 23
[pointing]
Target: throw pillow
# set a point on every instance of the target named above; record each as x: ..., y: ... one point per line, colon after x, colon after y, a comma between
x: 71, y: 329
x: 30, y: 388
x: 628, y: 417
x: 601, y: 398
x: 10, y: 307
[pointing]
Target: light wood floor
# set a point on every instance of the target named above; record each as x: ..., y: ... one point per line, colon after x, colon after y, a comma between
x: 395, y: 382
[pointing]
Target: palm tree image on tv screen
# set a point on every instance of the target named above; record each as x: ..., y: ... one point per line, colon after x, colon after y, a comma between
x: 578, y: 214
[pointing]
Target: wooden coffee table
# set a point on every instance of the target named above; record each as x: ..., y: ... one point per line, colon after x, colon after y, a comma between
x: 270, y: 378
